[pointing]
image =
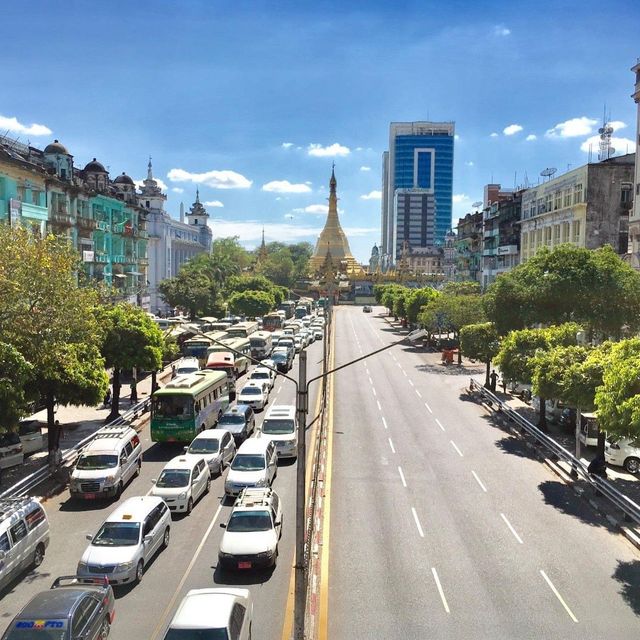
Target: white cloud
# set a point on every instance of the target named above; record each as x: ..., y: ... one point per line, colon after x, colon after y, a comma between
x: 284, y: 186
x: 320, y: 209
x: 621, y: 145
x: 161, y: 184
x: 456, y: 136
x: 213, y: 203
x: 511, y: 129
x: 287, y: 145
x: 224, y: 179
x: 493, y: 135
x: 571, y: 128
x: 177, y: 190
x: 372, y: 195
x: 333, y: 150
x: 469, y: 163
x: 12, y: 125
x: 530, y: 137
x: 617, y: 124
x: 460, y: 197
x: 501, y: 30
x: 363, y: 168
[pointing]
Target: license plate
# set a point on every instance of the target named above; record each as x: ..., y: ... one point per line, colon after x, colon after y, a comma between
x: 90, y: 496
x: 244, y: 565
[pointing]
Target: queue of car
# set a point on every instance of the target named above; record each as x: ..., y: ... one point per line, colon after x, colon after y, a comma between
x: 140, y: 527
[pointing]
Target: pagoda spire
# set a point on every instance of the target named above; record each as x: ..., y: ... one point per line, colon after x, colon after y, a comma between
x: 149, y: 170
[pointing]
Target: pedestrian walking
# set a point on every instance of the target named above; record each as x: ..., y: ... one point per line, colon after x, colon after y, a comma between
x: 493, y: 380
x: 107, y: 399
x: 503, y: 384
x: 173, y: 371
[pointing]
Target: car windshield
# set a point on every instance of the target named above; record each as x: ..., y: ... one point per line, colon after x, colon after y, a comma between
x: 231, y: 419
x: 196, y: 634
x: 247, y: 462
x: 29, y: 631
x: 177, y: 407
x: 261, y: 375
x: 117, y: 534
x: 274, y: 426
x: 251, y: 391
x: 173, y: 478
x: 97, y: 461
x: 204, y: 445
x: 185, y: 370
x: 245, y: 521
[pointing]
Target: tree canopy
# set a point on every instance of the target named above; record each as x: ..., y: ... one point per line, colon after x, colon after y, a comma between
x: 251, y: 303
x: 480, y: 342
x: 15, y: 375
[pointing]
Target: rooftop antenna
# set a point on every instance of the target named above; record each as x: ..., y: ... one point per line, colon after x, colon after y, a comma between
x: 475, y: 205
x: 548, y: 172
x: 605, y: 131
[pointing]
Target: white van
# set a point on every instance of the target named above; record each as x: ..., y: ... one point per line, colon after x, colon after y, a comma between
x: 281, y: 426
x: 183, y: 480
x: 255, y: 465
x: 107, y: 464
x: 127, y: 540
x: 24, y: 536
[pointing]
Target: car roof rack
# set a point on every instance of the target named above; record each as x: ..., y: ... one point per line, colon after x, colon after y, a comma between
x: 8, y: 506
x: 254, y: 497
x: 112, y: 432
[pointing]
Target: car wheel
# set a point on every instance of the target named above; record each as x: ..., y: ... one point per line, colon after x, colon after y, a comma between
x: 104, y: 630
x: 208, y: 486
x: 118, y: 493
x: 189, y: 506
x: 38, y: 555
x: 166, y: 538
x: 139, y: 572
x: 632, y: 465
x: 138, y: 468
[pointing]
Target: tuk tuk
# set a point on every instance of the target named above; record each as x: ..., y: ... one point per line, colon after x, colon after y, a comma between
x: 589, y: 429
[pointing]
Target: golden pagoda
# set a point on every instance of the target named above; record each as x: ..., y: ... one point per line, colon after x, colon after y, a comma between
x: 332, y: 243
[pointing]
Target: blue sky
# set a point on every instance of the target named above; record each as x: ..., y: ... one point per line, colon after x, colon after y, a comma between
x: 253, y: 101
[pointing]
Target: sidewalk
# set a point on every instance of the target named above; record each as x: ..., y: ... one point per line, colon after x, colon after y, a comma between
x: 78, y: 422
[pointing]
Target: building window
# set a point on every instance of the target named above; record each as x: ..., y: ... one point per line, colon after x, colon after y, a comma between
x: 576, y: 232
x: 577, y: 194
x: 557, y: 203
x: 556, y: 234
x: 547, y: 236
x: 540, y: 205
x: 625, y: 193
x: 567, y: 198
x: 548, y: 202
x: 565, y: 232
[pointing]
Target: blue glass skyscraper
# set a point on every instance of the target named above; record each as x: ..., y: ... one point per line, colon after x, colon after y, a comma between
x: 417, y: 186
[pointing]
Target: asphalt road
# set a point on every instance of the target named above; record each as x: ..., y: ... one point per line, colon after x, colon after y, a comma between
x: 444, y: 526
x: 145, y: 610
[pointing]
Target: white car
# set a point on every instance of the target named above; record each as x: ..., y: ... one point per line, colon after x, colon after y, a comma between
x: 305, y: 336
x: 213, y: 613
x: 216, y: 446
x: 262, y: 374
x: 298, y: 344
x: 267, y: 362
x: 255, y: 465
x: 127, y: 540
x: 281, y: 426
x: 623, y: 452
x: 182, y: 481
x: 318, y: 333
x: 252, y: 532
x: 255, y: 393
x: 187, y: 366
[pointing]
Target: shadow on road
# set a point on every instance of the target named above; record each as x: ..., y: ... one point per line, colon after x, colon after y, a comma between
x: 240, y: 578
x: 31, y: 577
x: 162, y: 452
x: 76, y: 505
x: 448, y: 370
x: 517, y: 447
x: 562, y: 497
x: 628, y: 575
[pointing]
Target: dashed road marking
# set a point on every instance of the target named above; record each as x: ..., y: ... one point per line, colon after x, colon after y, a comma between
x: 379, y: 405
x: 429, y: 409
x: 415, y: 517
x: 384, y: 422
x: 370, y: 380
x: 455, y: 446
x: 475, y: 475
x: 515, y: 533
x: 557, y: 594
x: 440, y: 589
x: 391, y: 445
x: 411, y: 383
x: 419, y: 394
x: 404, y: 482
x: 374, y: 391
x: 439, y: 424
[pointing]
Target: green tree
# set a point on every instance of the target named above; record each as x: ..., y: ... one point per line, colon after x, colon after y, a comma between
x: 465, y: 288
x: 192, y: 289
x: 480, y: 342
x: 131, y: 339
x: 49, y: 319
x: 237, y: 284
x: 416, y: 299
x: 251, y: 303
x: 16, y: 374
x: 279, y: 268
x: 227, y: 258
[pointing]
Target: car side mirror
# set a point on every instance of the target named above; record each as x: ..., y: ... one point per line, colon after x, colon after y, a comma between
x: 2, y: 555
x: 148, y: 538
x: 185, y: 449
x: 223, y: 525
x: 153, y: 480
x: 278, y: 523
x: 89, y: 537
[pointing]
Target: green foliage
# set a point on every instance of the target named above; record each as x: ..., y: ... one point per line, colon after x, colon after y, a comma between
x: 251, y: 303
x: 451, y: 312
x: 479, y: 341
x: 415, y: 299
x: 617, y: 400
x: 227, y: 258
x: 279, y: 268
x: 461, y: 288
x: 192, y: 289
x: 594, y: 288
x: 15, y: 375
x: 557, y: 373
x: 238, y: 284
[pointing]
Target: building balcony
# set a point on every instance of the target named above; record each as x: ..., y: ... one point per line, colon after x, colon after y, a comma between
x: 143, y: 262
x: 101, y: 257
x: 87, y: 223
x: 118, y: 259
x: 491, y: 233
x: 488, y: 252
x: 62, y: 219
x: 103, y: 225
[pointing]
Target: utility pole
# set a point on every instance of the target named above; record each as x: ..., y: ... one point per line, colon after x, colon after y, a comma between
x: 300, y: 599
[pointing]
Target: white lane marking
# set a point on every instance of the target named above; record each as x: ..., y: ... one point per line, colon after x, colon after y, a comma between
x: 439, y: 424
x: 415, y: 517
x: 379, y: 405
x: 405, y: 373
x: 515, y: 533
x: 557, y: 594
x: 398, y: 364
x: 455, y: 446
x: 440, y: 590
x: 393, y: 356
x: 411, y: 383
x: 169, y: 607
x: 426, y: 404
x: 475, y: 475
x: 370, y: 380
x: 404, y: 482
x: 374, y: 391
x: 391, y: 445
x: 419, y: 394
x: 384, y: 422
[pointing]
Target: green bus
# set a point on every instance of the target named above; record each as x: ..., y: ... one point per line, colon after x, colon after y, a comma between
x: 241, y: 345
x: 187, y: 405
x: 197, y: 346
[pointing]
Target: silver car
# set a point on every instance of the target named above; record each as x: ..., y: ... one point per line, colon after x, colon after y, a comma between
x: 216, y: 446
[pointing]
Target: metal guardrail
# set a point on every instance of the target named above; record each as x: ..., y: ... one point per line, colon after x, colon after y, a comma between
x: 629, y: 508
x: 29, y: 483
